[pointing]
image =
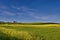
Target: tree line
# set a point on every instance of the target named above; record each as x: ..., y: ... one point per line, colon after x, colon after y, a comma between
x: 33, y: 23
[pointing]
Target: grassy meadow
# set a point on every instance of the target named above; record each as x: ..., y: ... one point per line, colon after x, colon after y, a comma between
x: 29, y: 32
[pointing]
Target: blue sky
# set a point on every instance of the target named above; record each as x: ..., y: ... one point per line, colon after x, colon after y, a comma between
x: 30, y: 10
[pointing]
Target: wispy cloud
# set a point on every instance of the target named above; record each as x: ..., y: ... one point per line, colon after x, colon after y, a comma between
x: 2, y: 6
x: 4, y: 10
x: 7, y: 13
x: 30, y: 12
x: 23, y: 8
x: 43, y: 17
x: 33, y: 13
x: 36, y: 14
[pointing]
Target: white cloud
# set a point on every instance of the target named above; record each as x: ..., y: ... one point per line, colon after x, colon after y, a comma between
x: 7, y: 13
x: 28, y: 11
x: 33, y: 13
x: 3, y: 6
x: 4, y: 10
x: 23, y: 8
x: 43, y: 17
x: 15, y: 7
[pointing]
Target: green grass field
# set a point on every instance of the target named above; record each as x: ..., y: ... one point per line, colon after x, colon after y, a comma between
x: 29, y: 32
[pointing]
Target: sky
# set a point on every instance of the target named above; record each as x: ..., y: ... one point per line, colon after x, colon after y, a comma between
x: 30, y: 10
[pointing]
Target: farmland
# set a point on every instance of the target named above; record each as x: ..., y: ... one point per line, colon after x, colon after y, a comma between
x: 29, y: 32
